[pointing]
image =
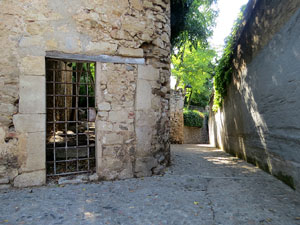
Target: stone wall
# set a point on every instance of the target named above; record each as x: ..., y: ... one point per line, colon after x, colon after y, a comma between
x: 196, y: 135
x: 259, y: 120
x: 133, y: 118
x: 176, y: 117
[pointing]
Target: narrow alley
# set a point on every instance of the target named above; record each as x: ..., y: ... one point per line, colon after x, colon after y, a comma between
x: 203, y: 186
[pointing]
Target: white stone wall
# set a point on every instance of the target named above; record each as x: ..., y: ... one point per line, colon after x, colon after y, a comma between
x: 127, y: 28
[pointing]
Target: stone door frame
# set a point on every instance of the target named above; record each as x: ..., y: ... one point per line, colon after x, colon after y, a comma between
x: 30, y: 122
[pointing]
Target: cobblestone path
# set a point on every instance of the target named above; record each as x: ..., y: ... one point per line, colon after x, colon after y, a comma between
x: 203, y: 186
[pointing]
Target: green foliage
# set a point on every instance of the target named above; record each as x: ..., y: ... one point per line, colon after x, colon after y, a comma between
x: 201, y: 99
x: 223, y: 73
x: 87, y: 76
x: 195, y: 68
x: 191, y: 21
x: 193, y: 118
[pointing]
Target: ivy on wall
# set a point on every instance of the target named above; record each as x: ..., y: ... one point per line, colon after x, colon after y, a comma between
x: 223, y: 73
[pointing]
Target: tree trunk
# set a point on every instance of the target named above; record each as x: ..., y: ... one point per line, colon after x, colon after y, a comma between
x: 190, y: 98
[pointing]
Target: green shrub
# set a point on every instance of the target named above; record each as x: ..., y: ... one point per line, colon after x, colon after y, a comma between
x: 193, y: 118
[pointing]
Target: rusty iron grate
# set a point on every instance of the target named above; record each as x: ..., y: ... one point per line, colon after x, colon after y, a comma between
x: 70, y: 119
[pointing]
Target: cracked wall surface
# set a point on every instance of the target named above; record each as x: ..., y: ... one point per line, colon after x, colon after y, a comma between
x: 259, y: 120
x: 134, y: 112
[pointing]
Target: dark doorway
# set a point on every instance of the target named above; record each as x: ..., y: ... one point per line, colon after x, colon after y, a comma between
x: 70, y: 120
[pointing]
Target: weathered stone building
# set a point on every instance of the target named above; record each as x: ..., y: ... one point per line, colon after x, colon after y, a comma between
x: 84, y: 87
x: 259, y: 120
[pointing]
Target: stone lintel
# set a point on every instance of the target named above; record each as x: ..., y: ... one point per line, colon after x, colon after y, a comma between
x: 95, y: 58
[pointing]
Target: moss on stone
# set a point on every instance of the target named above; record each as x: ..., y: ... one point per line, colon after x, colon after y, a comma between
x: 287, y: 179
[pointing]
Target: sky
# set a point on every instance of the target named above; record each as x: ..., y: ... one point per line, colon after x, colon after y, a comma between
x: 228, y: 12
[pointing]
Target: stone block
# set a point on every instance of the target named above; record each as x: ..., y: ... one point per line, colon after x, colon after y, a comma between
x: 2, y: 134
x: 4, y: 180
x: 131, y: 52
x: 101, y: 48
x: 8, y: 109
x: 12, y: 173
x: 148, y: 72
x: 35, y: 148
x: 103, y: 115
x: 5, y: 120
x: 123, y: 127
x: 160, y: 169
x: 157, y: 103
x: 31, y: 41
x: 33, y: 65
x: 112, y: 164
x: 35, y: 178
x: 158, y: 42
x: 127, y: 172
x: 118, y: 116
x: 111, y: 151
x: 73, y: 180
x: 51, y: 45
x: 145, y: 119
x: 37, y: 29
x: 144, y: 166
x: 104, y: 106
x: 143, y: 95
x: 104, y: 126
x: 94, y: 177
x: 165, y: 37
x: 143, y: 140
x: 112, y: 138
x: 32, y: 94
x: 133, y: 25
x: 137, y: 4
x: 29, y: 123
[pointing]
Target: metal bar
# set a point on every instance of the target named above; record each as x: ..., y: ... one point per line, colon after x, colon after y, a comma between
x: 54, y: 118
x: 76, y: 112
x: 64, y: 70
x: 64, y: 121
x: 66, y: 116
x: 68, y: 173
x: 88, y: 115
x: 67, y: 95
x: 72, y: 160
x: 72, y: 147
x: 50, y: 82
x: 66, y: 135
x: 66, y: 108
